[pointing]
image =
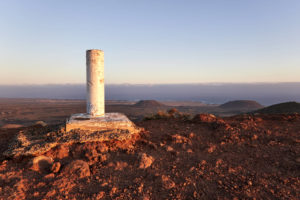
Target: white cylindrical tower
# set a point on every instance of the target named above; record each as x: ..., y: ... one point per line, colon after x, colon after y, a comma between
x: 95, y: 82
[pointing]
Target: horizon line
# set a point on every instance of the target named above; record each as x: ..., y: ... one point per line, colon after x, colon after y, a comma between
x: 195, y: 83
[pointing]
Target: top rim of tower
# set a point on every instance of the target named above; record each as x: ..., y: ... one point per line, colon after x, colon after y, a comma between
x: 96, y: 50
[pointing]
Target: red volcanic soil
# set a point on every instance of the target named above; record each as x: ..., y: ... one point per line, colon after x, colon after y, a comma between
x: 242, y: 157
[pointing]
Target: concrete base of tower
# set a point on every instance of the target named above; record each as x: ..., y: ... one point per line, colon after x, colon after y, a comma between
x: 110, y: 121
x: 79, y: 128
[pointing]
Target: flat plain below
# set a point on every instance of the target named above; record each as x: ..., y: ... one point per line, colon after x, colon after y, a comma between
x: 25, y: 112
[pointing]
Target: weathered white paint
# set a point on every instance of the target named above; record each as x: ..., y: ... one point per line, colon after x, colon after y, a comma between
x: 95, y: 82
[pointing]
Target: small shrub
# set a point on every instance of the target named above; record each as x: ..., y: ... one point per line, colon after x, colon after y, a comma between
x: 159, y: 115
x: 172, y: 113
x: 186, y: 117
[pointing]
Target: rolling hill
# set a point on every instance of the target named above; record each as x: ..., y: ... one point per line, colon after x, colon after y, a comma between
x: 241, y: 105
x: 148, y: 103
x: 281, y: 108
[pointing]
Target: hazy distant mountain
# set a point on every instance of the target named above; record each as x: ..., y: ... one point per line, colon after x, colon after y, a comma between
x: 281, y: 108
x: 242, y: 105
x: 212, y: 93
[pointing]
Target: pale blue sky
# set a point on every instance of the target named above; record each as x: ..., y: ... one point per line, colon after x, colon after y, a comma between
x: 157, y: 41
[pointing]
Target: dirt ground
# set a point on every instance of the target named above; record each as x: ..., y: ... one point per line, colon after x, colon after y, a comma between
x: 241, y: 157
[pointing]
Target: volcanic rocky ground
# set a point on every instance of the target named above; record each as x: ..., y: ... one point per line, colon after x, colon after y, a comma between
x: 175, y: 156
